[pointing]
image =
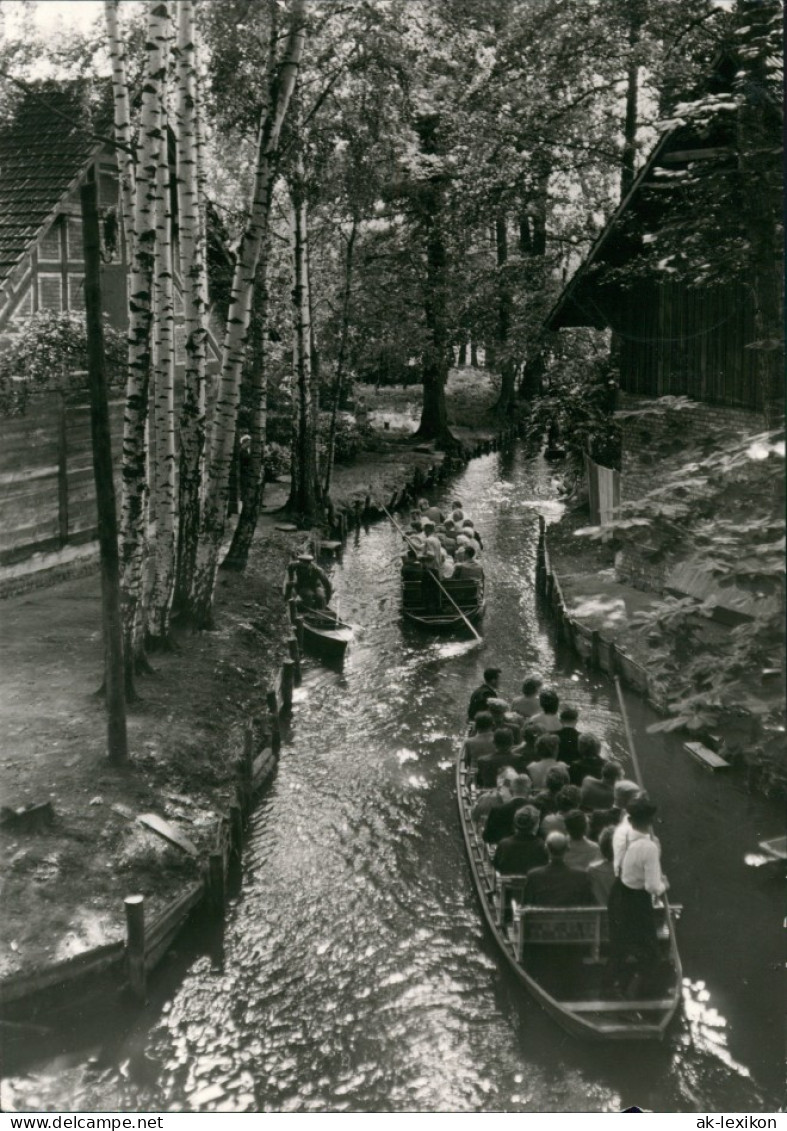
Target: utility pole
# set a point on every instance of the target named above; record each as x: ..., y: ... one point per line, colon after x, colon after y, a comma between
x: 114, y: 675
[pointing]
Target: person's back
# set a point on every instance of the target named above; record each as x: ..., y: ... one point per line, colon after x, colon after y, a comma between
x: 547, y: 717
x: 588, y: 762
x: 503, y: 755
x: 599, y: 793
x: 581, y: 852
x: 546, y: 758
x: 482, y: 742
x: 566, y: 801
x: 490, y: 799
x: 527, y: 704
x: 555, y: 884
x: 523, y: 850
x: 501, y: 819
x: 624, y: 791
x: 568, y: 736
x: 601, y: 872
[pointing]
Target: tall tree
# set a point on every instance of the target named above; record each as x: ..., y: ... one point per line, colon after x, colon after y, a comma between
x: 135, y: 482
x: 163, y: 501
x: 191, y: 240
x: 223, y: 424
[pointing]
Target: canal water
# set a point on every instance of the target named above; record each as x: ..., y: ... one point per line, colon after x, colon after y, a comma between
x: 354, y: 972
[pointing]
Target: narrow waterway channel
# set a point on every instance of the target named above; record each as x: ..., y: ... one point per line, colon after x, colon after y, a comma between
x: 354, y: 971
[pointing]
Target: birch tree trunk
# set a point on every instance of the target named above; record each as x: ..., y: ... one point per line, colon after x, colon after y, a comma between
x: 163, y: 371
x: 222, y: 434
x: 303, y: 494
x: 252, y: 490
x: 134, y: 471
x: 122, y: 116
x: 504, y: 315
x: 195, y: 301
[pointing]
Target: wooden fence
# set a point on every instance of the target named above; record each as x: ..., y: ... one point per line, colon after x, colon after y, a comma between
x: 47, y: 493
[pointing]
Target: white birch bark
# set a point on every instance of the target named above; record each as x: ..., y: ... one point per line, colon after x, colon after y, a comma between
x: 162, y: 508
x: 304, y: 471
x: 222, y: 434
x: 134, y: 477
x: 190, y: 188
x: 122, y: 117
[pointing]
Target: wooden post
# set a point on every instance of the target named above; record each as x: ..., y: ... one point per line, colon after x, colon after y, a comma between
x: 293, y: 607
x: 62, y: 471
x: 299, y: 631
x: 114, y: 674
x: 287, y: 684
x: 216, y: 894
x: 613, y: 658
x: 135, y: 945
x: 236, y: 827
x: 595, y: 649
x: 295, y: 656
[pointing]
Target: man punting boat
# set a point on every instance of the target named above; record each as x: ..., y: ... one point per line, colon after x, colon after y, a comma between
x: 576, y: 904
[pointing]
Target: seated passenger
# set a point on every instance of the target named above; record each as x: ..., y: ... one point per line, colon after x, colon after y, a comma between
x: 427, y: 511
x: 566, y: 801
x: 546, y: 800
x: 491, y: 798
x: 524, y: 849
x: 468, y: 528
x: 482, y: 742
x: 601, y: 873
x: 411, y: 567
x: 530, y: 735
x: 501, y: 819
x: 568, y: 736
x: 547, y: 718
x: 555, y: 884
x: 623, y: 792
x: 589, y: 760
x: 527, y: 703
x: 468, y: 567
x: 312, y: 584
x: 503, y: 755
x: 546, y: 758
x: 447, y: 536
x: 504, y: 717
x: 457, y: 514
x: 599, y: 793
x: 581, y: 852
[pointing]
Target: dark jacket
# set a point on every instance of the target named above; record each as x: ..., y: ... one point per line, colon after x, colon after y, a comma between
x: 601, y: 818
x: 500, y: 822
x: 517, y: 854
x: 596, y: 794
x: 479, y: 699
x: 568, y: 750
x: 557, y: 885
x: 490, y: 765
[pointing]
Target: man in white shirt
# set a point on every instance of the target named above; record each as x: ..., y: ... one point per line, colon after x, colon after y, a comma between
x: 638, y: 879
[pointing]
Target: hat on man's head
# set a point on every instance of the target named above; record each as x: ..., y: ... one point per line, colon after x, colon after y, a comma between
x: 425, y: 522
x: 623, y: 791
x: 305, y: 557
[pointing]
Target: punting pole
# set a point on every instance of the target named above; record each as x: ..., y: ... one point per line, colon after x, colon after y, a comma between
x: 629, y: 736
x: 477, y: 635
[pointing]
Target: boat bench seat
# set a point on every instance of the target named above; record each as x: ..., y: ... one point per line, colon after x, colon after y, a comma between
x: 561, y: 926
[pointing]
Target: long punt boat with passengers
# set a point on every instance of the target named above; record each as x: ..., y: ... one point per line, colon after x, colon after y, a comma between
x: 443, y: 606
x: 558, y: 953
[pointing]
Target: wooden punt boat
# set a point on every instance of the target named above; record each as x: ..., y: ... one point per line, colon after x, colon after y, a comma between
x: 324, y: 633
x: 557, y: 953
x: 467, y: 595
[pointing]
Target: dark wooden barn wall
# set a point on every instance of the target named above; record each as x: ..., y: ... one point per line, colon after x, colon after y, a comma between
x: 677, y: 340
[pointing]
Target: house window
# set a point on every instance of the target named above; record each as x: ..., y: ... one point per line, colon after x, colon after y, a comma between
x: 75, y: 239
x: 50, y: 292
x: 49, y: 247
x: 76, y: 292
